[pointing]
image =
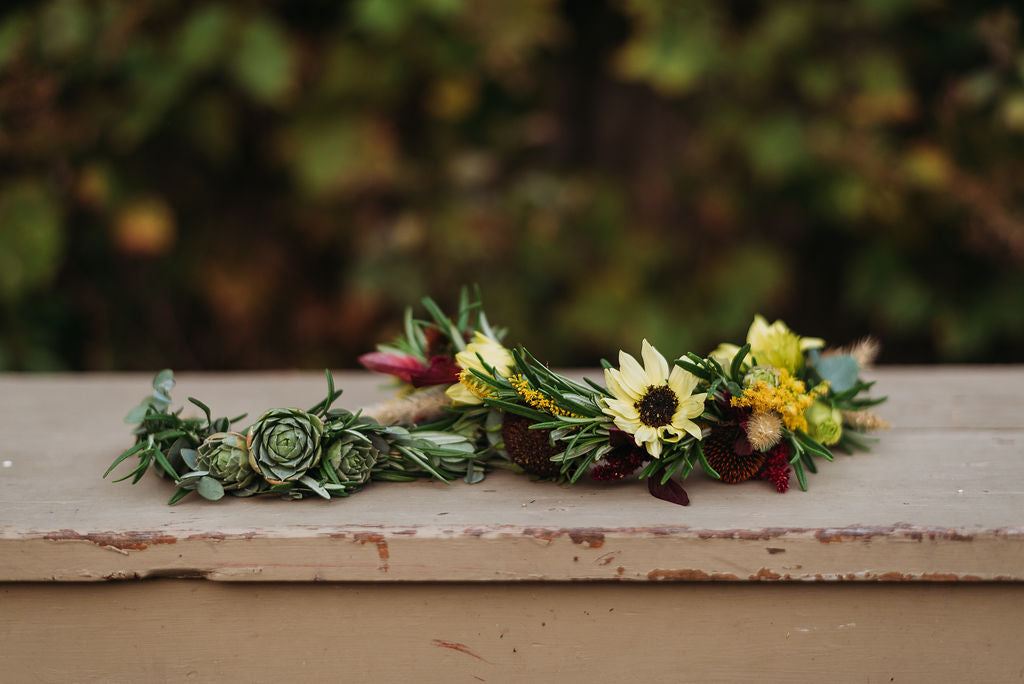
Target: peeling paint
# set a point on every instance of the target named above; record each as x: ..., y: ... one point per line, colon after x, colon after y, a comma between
x: 688, y: 575
x: 593, y: 539
x: 118, y: 541
x: 765, y: 574
x: 381, y: 543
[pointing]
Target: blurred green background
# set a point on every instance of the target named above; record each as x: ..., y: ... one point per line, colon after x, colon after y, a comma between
x: 268, y: 184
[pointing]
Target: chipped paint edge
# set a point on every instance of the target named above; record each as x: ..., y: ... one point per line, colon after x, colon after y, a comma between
x: 898, y: 553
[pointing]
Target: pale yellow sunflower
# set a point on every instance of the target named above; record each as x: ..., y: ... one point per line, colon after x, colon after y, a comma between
x: 652, y: 404
x: 469, y: 389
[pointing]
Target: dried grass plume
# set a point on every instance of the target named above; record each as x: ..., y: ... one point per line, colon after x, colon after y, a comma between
x: 864, y: 420
x: 418, y: 407
x: 864, y: 351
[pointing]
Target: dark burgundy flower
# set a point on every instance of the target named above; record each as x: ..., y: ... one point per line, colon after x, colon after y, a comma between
x: 776, y: 467
x: 622, y: 461
x: 441, y: 370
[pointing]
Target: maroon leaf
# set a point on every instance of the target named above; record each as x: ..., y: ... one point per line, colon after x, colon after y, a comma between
x: 671, y: 491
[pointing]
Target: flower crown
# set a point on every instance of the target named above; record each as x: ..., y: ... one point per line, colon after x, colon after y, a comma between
x: 763, y: 410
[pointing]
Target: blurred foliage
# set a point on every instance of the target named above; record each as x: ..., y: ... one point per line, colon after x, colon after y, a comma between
x: 239, y: 185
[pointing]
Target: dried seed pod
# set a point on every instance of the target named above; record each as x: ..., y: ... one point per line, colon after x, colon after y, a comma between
x: 530, y: 449
x: 729, y: 453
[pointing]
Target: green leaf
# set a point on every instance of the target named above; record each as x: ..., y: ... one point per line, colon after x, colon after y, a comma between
x: 203, y: 407
x: 164, y: 463
x: 180, y: 494
x: 140, y: 468
x: 840, y: 371
x: 263, y: 62
x: 163, y: 382
x: 135, y: 449
x: 474, y: 474
x: 138, y: 414
x: 31, y: 240
x: 315, y: 486
x: 190, y: 456
x: 704, y: 462
x: 693, y: 368
x: 801, y: 476
x: 738, y: 359
x: 201, y: 39
x: 191, y: 480
x: 209, y: 488
x: 814, y: 446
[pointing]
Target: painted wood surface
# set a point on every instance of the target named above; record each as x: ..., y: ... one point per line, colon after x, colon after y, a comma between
x: 180, y: 631
x: 940, y: 498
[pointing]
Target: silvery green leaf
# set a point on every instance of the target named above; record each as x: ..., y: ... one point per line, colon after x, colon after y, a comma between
x: 439, y: 437
x: 163, y: 382
x: 315, y: 486
x: 473, y: 474
x: 191, y: 480
x: 209, y: 488
x: 840, y: 371
x: 189, y: 456
x: 380, y: 444
x: 602, y: 451
x: 138, y: 413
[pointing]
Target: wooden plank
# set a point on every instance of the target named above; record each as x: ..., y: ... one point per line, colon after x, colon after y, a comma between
x: 211, y: 632
x: 937, y: 499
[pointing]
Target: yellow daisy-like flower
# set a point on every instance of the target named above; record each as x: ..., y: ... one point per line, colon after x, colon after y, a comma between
x: 651, y: 404
x: 469, y: 389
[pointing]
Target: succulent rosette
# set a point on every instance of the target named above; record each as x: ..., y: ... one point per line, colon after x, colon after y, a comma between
x: 284, y: 444
x: 226, y: 457
x: 352, y: 459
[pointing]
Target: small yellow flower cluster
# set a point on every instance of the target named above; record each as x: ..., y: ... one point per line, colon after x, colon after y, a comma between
x: 537, y: 399
x: 790, y: 399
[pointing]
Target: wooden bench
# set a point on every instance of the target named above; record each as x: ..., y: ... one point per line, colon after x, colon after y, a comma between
x: 901, y: 564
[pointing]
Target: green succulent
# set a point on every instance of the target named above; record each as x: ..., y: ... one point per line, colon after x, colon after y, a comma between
x: 352, y: 459
x: 284, y: 444
x: 226, y: 457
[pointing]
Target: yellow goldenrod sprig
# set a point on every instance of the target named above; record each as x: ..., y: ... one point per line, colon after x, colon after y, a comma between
x: 789, y: 399
x: 537, y: 399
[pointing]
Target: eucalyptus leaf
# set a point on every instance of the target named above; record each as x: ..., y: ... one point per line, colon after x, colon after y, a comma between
x: 840, y: 371
x: 164, y: 381
x: 189, y: 456
x: 137, y: 414
x: 209, y: 488
x: 474, y: 475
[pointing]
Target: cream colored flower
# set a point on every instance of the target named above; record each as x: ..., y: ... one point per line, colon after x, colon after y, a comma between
x: 772, y: 345
x: 651, y: 404
x: 469, y: 389
x: 777, y: 345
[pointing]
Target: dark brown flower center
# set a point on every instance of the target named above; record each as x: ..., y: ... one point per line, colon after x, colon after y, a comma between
x: 657, y: 406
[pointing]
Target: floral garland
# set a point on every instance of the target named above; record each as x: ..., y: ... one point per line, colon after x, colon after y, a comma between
x: 764, y: 410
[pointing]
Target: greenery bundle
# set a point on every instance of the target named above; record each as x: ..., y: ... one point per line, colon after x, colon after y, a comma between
x: 761, y: 410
